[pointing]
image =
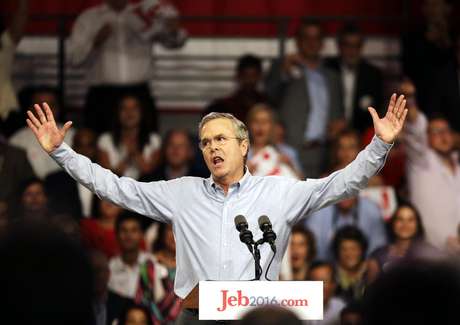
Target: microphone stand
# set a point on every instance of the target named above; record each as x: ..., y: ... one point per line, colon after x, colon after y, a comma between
x: 258, y: 267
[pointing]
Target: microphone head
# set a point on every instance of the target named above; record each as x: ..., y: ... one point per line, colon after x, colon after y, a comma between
x: 264, y: 223
x: 240, y: 223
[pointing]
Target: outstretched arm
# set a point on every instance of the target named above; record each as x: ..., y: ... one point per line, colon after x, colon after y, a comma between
x: 311, y: 195
x: 150, y: 199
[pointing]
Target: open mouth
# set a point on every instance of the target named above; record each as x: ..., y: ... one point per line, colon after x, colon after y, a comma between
x: 217, y: 161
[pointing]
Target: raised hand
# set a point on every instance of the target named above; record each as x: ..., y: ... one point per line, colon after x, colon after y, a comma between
x: 388, y: 127
x: 45, y: 128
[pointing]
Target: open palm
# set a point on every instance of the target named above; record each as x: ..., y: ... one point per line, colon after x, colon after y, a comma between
x: 45, y: 128
x: 388, y: 127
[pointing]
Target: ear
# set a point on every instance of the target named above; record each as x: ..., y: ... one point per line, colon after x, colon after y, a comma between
x: 244, y: 147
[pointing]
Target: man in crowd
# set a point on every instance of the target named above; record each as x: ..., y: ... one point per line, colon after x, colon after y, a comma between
x: 114, y: 40
x: 325, y: 272
x: 249, y: 75
x: 24, y: 138
x: 433, y: 171
x: 309, y: 98
x: 202, y: 211
x: 362, y: 83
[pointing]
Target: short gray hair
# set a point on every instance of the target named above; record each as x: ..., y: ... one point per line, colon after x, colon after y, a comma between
x: 241, y: 131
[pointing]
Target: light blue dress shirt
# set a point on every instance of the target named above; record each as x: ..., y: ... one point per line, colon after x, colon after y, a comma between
x: 319, y: 104
x: 366, y: 216
x: 207, y: 244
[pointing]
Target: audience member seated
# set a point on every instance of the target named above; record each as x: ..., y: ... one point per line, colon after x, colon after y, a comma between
x: 14, y: 170
x: 302, y: 249
x: 124, y: 268
x: 130, y: 149
x: 32, y: 202
x: 10, y: 36
x: 24, y: 138
x: 98, y: 233
x: 264, y: 158
x: 65, y: 194
x: 309, y: 98
x: 322, y: 271
x: 164, y: 249
x: 352, y: 314
x: 433, y: 172
x: 406, y: 236
x: 249, y: 76
x: 107, y: 305
x: 177, y: 157
x: 427, y: 48
x: 45, y: 277
x: 415, y: 293
x: 135, y: 315
x: 114, y: 42
x: 359, y: 212
x: 270, y: 315
x: 349, y: 246
x: 362, y: 82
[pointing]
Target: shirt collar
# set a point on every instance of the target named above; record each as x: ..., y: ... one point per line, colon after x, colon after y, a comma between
x: 241, y: 183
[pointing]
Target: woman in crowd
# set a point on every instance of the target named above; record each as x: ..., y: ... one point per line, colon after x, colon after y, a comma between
x: 407, y: 241
x: 302, y: 249
x: 130, y: 149
x: 99, y: 233
x: 264, y: 157
x: 349, y: 247
x: 135, y: 315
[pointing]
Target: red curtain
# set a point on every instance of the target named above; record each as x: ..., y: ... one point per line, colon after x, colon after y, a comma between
x: 261, y: 8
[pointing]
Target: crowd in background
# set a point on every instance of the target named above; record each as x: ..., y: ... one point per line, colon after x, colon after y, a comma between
x: 307, y: 117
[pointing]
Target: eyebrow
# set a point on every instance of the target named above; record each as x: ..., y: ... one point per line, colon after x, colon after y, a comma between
x: 218, y: 135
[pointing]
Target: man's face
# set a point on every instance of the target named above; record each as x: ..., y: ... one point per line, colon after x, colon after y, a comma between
x: 350, y: 49
x: 299, y: 250
x: 178, y: 150
x: 309, y: 42
x: 324, y: 273
x: 347, y: 204
x: 350, y: 253
x: 130, y: 112
x: 249, y: 78
x: 440, y: 136
x: 130, y: 236
x: 261, y: 127
x: 84, y: 142
x: 224, y: 160
x: 347, y: 149
x: 50, y: 99
x: 34, y: 197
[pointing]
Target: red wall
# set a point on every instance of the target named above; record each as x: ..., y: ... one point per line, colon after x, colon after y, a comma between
x: 247, y: 8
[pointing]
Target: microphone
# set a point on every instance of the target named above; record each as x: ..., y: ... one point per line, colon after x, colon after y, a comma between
x: 245, y: 234
x: 269, y: 235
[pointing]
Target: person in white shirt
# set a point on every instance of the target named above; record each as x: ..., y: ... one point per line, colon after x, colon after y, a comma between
x: 130, y: 149
x: 42, y: 164
x: 433, y: 171
x: 114, y: 41
x: 124, y: 269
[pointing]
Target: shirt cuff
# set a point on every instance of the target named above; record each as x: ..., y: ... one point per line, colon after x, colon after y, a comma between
x: 61, y: 153
x: 380, y: 146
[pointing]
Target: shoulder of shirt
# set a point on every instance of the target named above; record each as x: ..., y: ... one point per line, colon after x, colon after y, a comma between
x: 115, y: 263
x: 93, y: 11
x: 368, y: 204
x: 337, y: 303
x: 20, y: 134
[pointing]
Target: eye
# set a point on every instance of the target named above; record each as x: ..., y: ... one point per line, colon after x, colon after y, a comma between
x: 221, y: 139
x: 204, y: 143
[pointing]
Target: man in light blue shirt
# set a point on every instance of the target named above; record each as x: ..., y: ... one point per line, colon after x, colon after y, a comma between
x: 359, y: 212
x: 202, y: 211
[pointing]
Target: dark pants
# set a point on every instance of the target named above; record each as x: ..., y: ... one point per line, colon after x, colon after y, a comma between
x: 101, y: 105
